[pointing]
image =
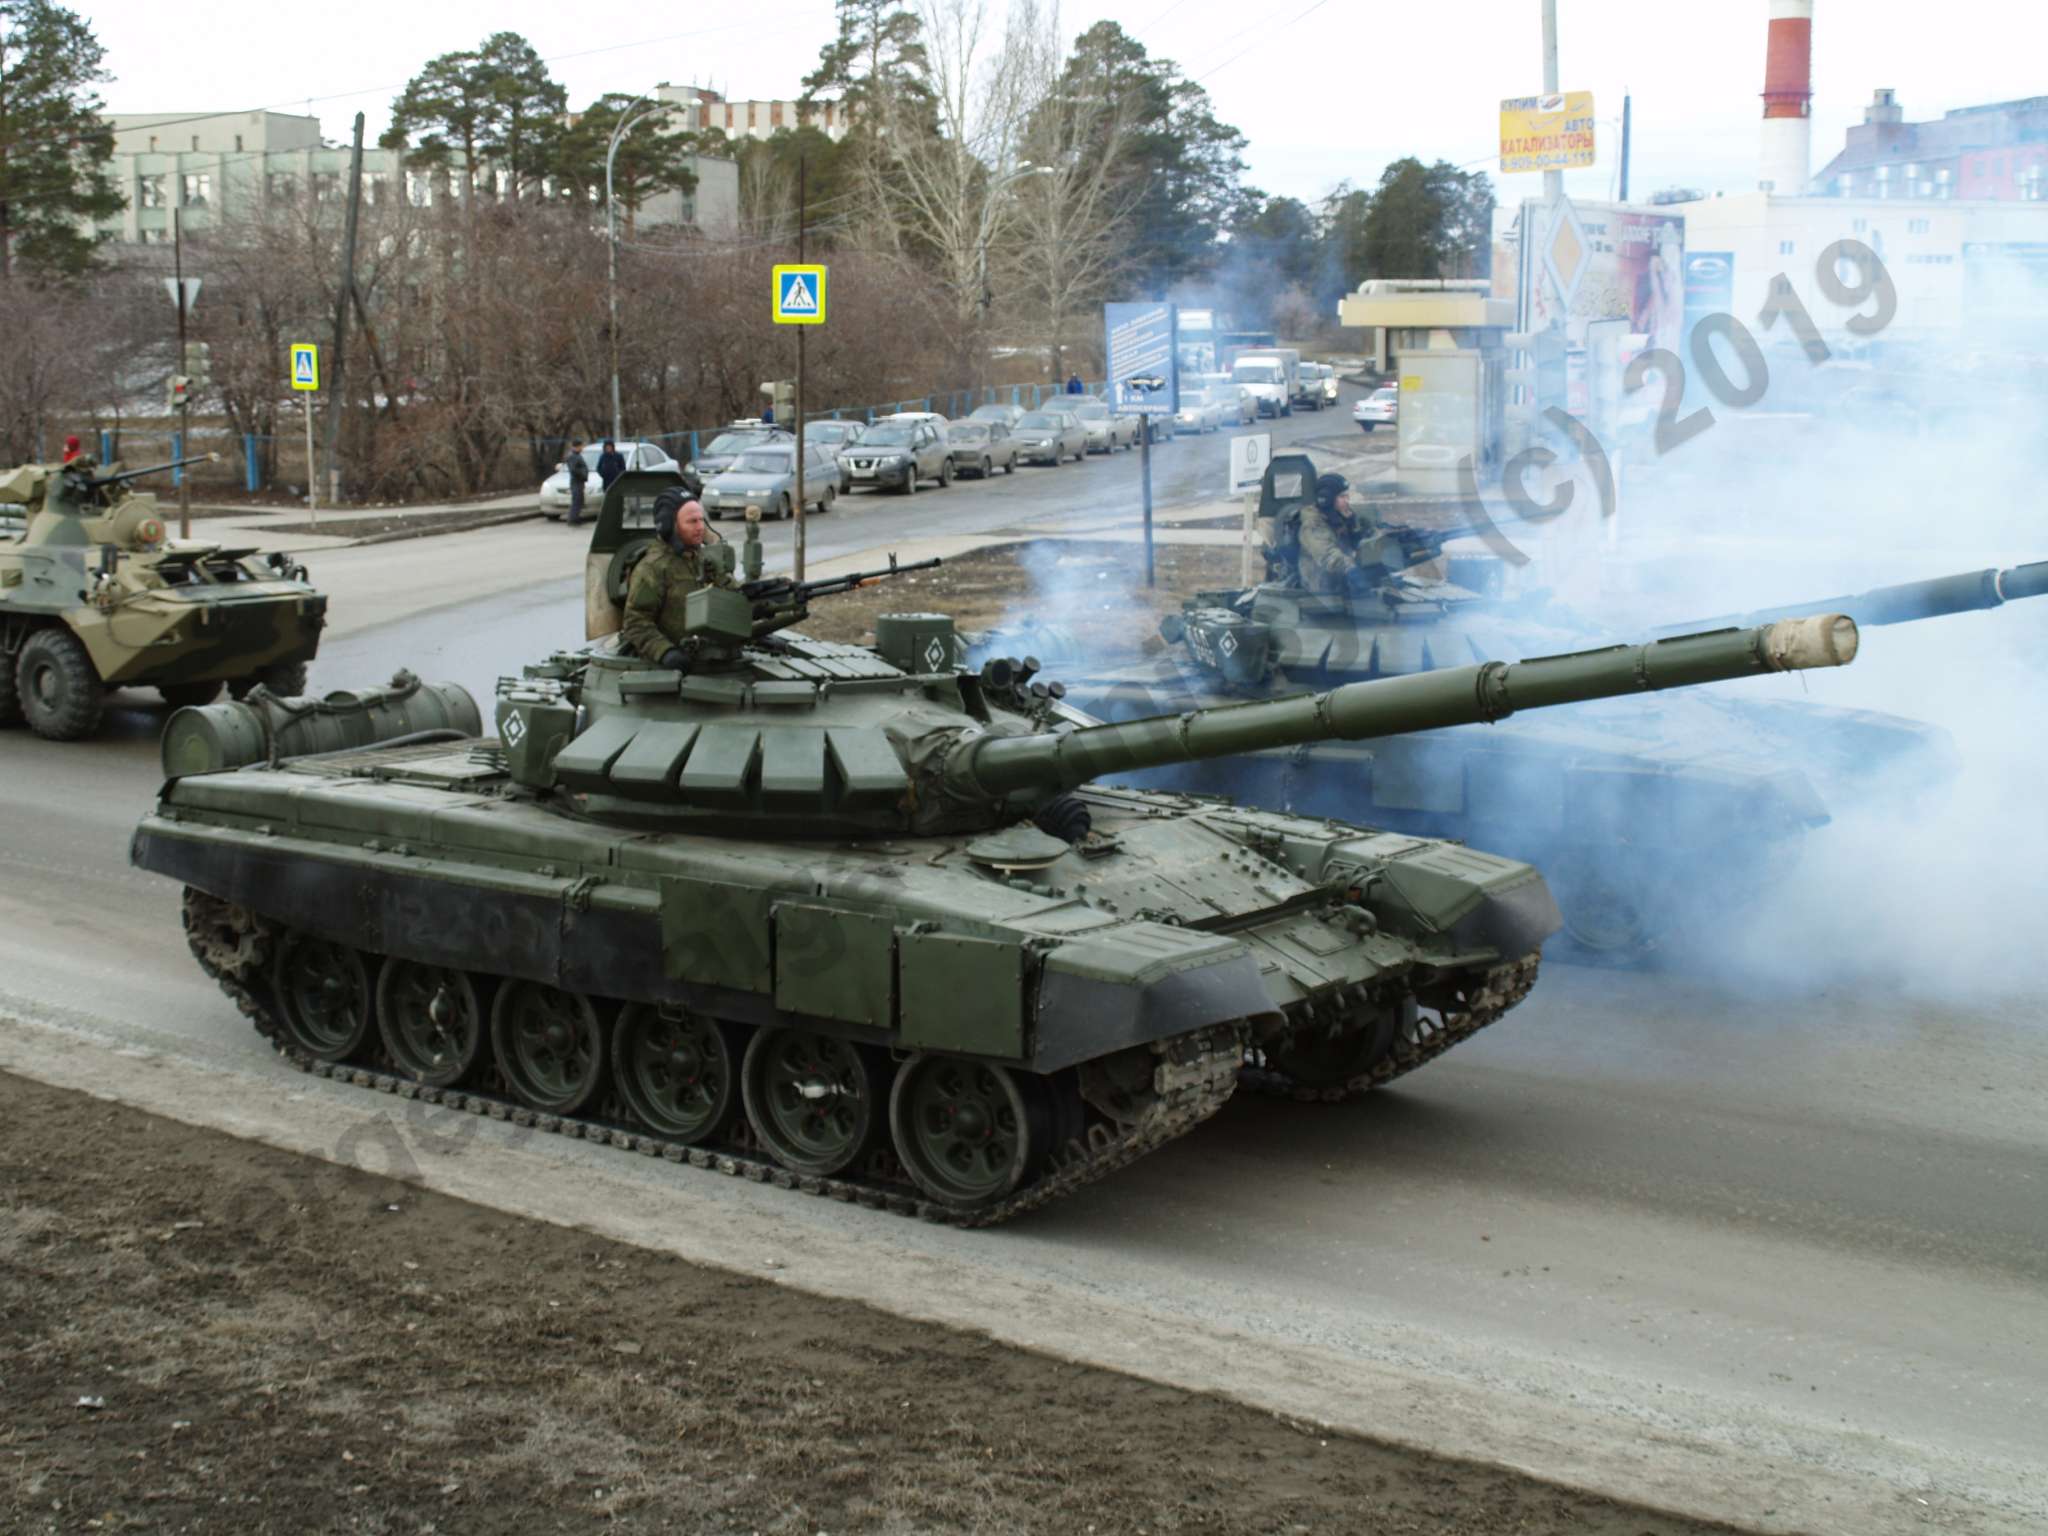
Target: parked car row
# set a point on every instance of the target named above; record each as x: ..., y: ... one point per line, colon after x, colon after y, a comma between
x: 753, y: 463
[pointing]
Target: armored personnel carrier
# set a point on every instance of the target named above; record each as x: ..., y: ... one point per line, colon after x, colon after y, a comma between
x: 94, y: 596
x: 855, y: 920
x: 1642, y: 815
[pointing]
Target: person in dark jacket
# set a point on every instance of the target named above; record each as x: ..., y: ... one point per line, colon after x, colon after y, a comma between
x: 1075, y: 386
x: 579, y: 471
x: 610, y: 464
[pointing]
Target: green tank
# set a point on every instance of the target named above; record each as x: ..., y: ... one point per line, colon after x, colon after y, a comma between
x: 94, y: 596
x: 1645, y: 818
x: 855, y: 920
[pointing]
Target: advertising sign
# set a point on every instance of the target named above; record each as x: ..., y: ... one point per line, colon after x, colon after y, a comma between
x: 1143, y: 377
x: 1709, y: 285
x: 1546, y: 133
x: 1628, y: 265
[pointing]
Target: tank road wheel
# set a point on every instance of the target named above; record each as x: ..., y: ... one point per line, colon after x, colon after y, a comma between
x: 678, y: 1074
x: 1330, y: 1052
x: 60, y: 689
x: 1605, y: 910
x: 323, y: 995
x: 550, y: 1045
x: 814, y: 1100
x: 189, y: 695
x: 964, y: 1129
x: 431, y: 1021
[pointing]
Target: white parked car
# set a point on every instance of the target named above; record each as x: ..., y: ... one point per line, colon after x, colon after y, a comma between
x: 1107, y: 430
x: 554, y: 491
x: 1380, y: 408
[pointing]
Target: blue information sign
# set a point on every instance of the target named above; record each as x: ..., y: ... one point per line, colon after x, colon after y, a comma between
x: 1141, y: 352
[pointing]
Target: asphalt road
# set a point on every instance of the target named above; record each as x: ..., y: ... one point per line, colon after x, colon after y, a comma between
x: 1780, y: 1258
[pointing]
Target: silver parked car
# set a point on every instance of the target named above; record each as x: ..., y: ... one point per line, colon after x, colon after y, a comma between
x: 1046, y: 437
x: 997, y: 411
x: 554, y: 491
x: 1107, y: 430
x: 1198, y: 412
x: 980, y: 448
x: 897, y: 454
x: 717, y: 455
x: 833, y: 436
x: 765, y: 477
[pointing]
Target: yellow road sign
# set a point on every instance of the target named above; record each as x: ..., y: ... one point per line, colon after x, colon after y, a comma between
x: 799, y: 295
x: 305, y: 365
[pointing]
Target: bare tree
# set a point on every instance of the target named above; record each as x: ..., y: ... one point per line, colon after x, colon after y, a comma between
x: 941, y: 153
x: 1072, y: 210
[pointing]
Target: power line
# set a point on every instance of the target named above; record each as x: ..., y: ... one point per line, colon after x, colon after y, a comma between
x: 1261, y: 42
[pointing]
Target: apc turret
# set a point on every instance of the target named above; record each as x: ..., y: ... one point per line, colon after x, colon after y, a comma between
x: 861, y: 920
x: 95, y: 595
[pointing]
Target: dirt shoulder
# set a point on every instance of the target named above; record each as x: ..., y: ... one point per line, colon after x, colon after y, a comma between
x: 205, y: 1334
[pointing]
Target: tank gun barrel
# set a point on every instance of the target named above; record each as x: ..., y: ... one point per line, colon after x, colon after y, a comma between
x: 124, y: 476
x: 1964, y: 592
x: 1422, y: 701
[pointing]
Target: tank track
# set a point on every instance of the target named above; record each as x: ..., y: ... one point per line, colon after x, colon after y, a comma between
x: 1499, y: 989
x: 1194, y: 1075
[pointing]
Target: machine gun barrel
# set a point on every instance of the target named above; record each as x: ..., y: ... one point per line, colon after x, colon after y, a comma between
x: 126, y: 475
x: 998, y: 765
x: 785, y: 592
x: 1965, y: 592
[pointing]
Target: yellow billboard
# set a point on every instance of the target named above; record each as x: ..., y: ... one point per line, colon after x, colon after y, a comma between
x: 1546, y: 133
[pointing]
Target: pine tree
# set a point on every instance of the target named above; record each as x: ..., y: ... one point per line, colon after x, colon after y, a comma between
x: 54, y: 145
x: 492, y: 105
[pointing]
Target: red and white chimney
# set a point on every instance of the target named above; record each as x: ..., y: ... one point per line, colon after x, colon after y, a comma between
x: 1788, y: 99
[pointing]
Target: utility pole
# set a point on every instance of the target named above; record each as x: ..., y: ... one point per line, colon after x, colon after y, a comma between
x: 1553, y: 181
x: 802, y: 218
x: 185, y: 397
x: 1625, y: 109
x: 337, y: 399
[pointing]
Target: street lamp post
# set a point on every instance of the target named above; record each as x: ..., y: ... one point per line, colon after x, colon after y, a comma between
x: 611, y: 223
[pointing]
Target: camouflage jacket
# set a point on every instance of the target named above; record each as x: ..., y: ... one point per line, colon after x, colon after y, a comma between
x: 1332, y: 548
x: 655, y: 596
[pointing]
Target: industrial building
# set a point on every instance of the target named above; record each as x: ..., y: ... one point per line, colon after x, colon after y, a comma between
x: 220, y: 166
x: 704, y: 110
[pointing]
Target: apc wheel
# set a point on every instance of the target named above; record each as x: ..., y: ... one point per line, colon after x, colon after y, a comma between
x: 60, y: 690
x: 678, y: 1075
x: 965, y: 1130
x: 189, y: 695
x: 550, y: 1045
x: 284, y: 679
x: 430, y: 1020
x: 323, y: 996
x: 814, y: 1100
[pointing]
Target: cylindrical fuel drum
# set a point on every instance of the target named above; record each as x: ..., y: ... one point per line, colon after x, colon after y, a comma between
x: 261, y: 728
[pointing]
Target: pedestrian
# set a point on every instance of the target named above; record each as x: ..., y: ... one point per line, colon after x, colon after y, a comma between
x: 71, y: 449
x: 768, y: 415
x: 610, y: 464
x: 579, y: 471
x: 1075, y: 386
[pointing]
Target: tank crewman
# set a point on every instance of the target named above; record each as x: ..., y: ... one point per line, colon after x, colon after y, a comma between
x: 1342, y: 551
x: 664, y: 579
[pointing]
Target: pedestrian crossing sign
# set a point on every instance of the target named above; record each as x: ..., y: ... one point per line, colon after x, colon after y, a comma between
x: 799, y: 295
x: 305, y: 365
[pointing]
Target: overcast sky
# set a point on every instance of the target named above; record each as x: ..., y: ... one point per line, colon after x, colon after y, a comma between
x: 1324, y: 91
